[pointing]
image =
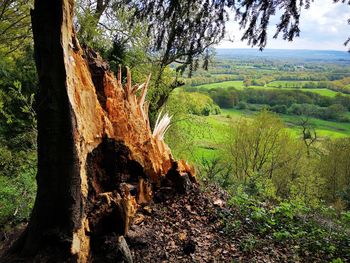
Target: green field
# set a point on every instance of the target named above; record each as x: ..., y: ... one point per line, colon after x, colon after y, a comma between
x: 271, y: 86
x: 238, y: 84
x: 211, y: 131
x: 322, y: 92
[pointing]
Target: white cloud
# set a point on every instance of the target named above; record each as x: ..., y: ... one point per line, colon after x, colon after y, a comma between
x: 323, y: 26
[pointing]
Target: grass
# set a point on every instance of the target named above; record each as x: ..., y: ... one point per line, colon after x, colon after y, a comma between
x: 322, y: 92
x: 271, y: 86
x: 211, y: 131
x: 324, y: 128
x: 225, y: 84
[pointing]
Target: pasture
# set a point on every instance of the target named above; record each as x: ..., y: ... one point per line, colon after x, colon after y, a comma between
x: 274, y: 85
x: 211, y: 131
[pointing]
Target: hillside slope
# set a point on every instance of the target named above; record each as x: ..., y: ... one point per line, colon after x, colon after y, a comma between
x: 192, y: 228
x: 201, y: 226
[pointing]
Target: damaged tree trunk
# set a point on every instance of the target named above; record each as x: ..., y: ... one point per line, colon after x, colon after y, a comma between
x: 98, y: 160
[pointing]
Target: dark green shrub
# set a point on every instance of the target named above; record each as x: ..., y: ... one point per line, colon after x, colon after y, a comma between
x: 242, y: 105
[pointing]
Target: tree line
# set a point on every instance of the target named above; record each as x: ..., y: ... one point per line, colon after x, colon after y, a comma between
x: 293, y: 102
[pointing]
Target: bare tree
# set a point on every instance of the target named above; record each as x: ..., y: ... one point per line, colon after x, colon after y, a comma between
x: 309, y: 134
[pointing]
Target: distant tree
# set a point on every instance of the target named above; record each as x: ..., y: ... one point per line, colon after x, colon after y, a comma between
x: 224, y: 98
x: 247, y: 82
x: 279, y: 109
x: 343, y: 100
x: 258, y: 147
x: 334, y: 112
x: 242, y: 105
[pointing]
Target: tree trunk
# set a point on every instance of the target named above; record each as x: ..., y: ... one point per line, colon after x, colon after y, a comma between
x: 97, y: 158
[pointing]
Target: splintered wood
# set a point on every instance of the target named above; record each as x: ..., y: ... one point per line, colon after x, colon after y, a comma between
x: 121, y: 160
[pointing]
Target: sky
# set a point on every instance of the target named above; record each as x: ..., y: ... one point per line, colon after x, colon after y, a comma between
x: 323, y: 26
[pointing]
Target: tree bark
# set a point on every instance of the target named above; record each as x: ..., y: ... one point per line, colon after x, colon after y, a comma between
x: 97, y: 157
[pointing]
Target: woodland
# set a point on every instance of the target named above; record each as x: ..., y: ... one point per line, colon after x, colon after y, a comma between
x: 125, y: 136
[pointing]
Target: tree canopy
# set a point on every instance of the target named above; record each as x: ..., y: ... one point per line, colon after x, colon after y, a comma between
x: 182, y: 31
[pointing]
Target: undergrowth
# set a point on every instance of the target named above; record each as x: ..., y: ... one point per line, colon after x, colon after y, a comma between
x: 308, y: 234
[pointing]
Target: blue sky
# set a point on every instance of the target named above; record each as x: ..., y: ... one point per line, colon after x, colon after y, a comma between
x: 324, y: 26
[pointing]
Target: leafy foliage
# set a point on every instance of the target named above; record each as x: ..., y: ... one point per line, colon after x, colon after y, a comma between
x: 15, y: 25
x: 18, y: 187
x: 292, y: 102
x: 292, y: 226
x: 17, y: 138
x: 263, y: 155
x: 180, y: 136
x: 334, y: 166
x: 255, y: 16
x: 183, y: 30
